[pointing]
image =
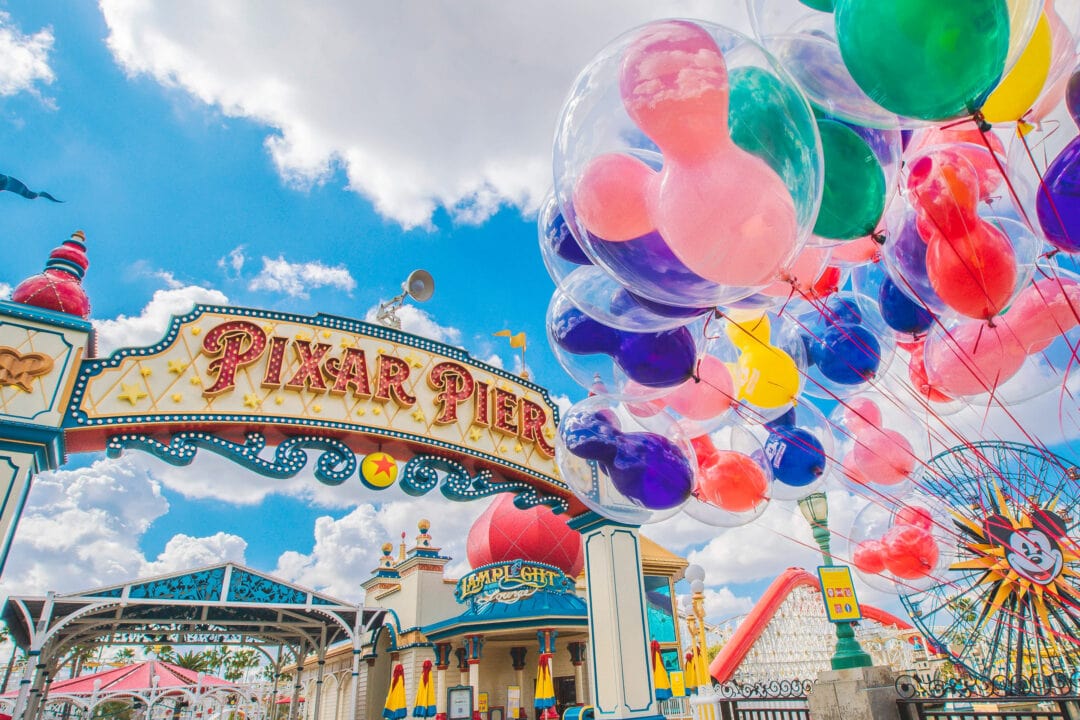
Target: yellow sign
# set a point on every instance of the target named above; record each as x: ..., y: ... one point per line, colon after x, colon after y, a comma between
x: 482, y: 705
x: 678, y: 684
x: 255, y: 368
x: 838, y: 593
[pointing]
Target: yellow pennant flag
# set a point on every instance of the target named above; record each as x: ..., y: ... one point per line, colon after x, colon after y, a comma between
x: 516, y: 341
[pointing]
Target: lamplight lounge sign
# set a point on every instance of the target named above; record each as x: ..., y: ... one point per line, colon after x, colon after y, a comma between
x: 508, y: 582
x: 279, y: 369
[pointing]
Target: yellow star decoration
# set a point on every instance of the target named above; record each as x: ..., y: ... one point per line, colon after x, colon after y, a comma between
x: 196, y: 380
x: 268, y: 329
x: 413, y: 361
x: 316, y: 408
x: 177, y: 366
x: 326, y: 333
x: 376, y: 410
x: 361, y: 412
x: 196, y: 330
x: 279, y: 400
x: 502, y: 448
x: 132, y: 393
x: 517, y: 447
x: 418, y: 415
x: 252, y: 400
x: 177, y: 397
x: 146, y: 372
x: 304, y: 337
x: 549, y: 433
x: 475, y: 434
x: 348, y: 343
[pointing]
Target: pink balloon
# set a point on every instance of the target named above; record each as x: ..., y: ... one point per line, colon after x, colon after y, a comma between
x: 856, y: 252
x: 707, y: 396
x: 967, y: 142
x: 1044, y: 311
x: 611, y: 197
x: 974, y: 358
x: 801, y: 274
x: 879, y: 455
x: 722, y: 211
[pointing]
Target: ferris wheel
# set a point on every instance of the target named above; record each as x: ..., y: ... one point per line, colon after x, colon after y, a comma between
x: 1007, y: 606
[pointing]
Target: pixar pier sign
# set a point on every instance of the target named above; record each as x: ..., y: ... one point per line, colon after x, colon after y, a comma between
x: 236, y: 370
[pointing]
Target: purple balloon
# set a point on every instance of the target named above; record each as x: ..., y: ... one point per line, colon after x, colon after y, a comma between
x: 1058, y: 201
x: 649, y: 258
x: 1072, y: 96
x: 651, y: 470
x: 908, y: 250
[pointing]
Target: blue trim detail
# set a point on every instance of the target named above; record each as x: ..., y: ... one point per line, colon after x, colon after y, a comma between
x: 46, y: 444
x: 52, y: 317
x: 334, y: 466
x: 590, y: 520
x: 423, y: 473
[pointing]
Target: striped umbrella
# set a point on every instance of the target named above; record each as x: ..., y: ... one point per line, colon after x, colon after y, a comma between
x: 661, y: 681
x: 424, y: 705
x: 544, y: 696
x: 395, y: 707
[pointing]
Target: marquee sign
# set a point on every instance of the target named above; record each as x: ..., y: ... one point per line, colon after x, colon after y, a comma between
x: 286, y: 375
x: 508, y: 582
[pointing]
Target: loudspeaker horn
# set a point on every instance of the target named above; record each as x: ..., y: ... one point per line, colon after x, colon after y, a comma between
x: 420, y: 286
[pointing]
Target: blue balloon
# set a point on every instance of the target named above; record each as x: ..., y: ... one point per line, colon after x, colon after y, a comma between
x: 900, y: 312
x: 797, y: 457
x: 842, y: 310
x: 785, y: 420
x: 579, y: 334
x: 847, y: 354
x: 591, y: 435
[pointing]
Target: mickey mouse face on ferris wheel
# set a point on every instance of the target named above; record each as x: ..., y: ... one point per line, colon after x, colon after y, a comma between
x: 1034, y: 552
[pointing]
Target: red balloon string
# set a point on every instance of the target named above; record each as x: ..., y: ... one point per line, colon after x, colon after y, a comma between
x: 1043, y: 188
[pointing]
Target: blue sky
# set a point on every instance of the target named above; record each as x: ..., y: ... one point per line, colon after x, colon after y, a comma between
x: 300, y: 159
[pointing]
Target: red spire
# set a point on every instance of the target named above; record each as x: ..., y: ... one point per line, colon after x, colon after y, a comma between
x: 59, y: 287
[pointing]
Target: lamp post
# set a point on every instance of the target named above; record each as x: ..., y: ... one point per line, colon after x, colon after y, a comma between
x: 695, y: 622
x: 815, y: 508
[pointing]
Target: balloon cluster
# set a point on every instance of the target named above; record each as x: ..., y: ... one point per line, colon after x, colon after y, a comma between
x: 743, y: 229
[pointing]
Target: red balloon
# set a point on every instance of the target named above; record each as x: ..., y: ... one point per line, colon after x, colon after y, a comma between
x: 919, y: 380
x: 732, y: 481
x: 910, y: 551
x: 970, y: 263
x: 914, y: 515
x: 869, y: 557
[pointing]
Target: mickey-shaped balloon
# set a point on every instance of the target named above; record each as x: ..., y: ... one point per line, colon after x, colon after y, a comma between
x: 723, y: 211
x: 764, y: 375
x: 879, y: 454
x: 842, y: 347
x: 645, y: 467
x: 654, y: 360
x: 796, y: 456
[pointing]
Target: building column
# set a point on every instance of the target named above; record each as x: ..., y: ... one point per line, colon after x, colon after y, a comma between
x: 294, y: 704
x: 618, y: 626
x: 474, y: 645
x: 462, y: 665
x: 517, y: 657
x: 577, y: 657
x: 442, y: 662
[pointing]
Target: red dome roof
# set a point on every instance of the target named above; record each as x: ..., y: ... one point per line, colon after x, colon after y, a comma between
x: 59, y: 287
x: 503, y: 532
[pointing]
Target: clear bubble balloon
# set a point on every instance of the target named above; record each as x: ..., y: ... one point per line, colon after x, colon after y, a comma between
x: 880, y: 447
x: 596, y: 293
x: 799, y: 449
x: 767, y: 360
x: 617, y: 469
x: 691, y: 184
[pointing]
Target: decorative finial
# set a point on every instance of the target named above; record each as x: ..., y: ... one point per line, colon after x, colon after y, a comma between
x: 387, y: 561
x: 401, y: 548
x: 59, y: 286
x: 423, y: 539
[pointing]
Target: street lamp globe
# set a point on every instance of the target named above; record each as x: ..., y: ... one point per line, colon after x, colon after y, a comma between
x: 697, y: 586
x: 694, y: 573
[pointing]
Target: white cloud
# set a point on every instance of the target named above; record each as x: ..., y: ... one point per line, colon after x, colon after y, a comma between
x: 234, y: 261
x: 722, y: 603
x: 5, y: 291
x: 81, y: 528
x: 419, y: 322
x: 149, y: 326
x: 295, y: 279
x: 422, y: 105
x: 25, y: 58
x: 346, y: 550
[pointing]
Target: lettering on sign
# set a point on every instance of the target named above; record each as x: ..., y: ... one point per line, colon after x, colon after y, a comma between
x: 509, y: 582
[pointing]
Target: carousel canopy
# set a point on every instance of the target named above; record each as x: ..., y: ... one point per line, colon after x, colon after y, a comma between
x: 131, y: 678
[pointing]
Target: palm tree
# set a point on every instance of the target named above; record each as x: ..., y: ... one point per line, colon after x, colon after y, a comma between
x: 197, y: 661
x: 239, y: 662
x: 219, y: 658
x: 124, y: 655
x: 164, y: 653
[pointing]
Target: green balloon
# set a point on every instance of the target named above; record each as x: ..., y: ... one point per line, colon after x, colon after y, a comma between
x: 927, y: 59
x: 854, y: 194
x: 822, y: 5
x: 770, y: 119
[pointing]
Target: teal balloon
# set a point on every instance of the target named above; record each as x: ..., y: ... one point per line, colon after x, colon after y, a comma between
x: 822, y: 5
x: 854, y: 193
x: 927, y: 59
x: 771, y: 120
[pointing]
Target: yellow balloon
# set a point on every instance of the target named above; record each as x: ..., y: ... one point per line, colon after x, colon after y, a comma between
x: 749, y: 333
x: 766, y: 377
x: 1020, y: 88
